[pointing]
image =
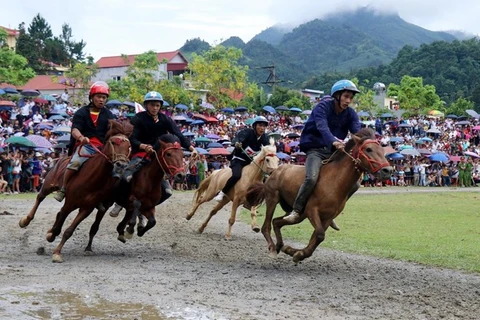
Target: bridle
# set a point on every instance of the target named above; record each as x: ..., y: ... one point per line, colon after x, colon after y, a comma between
x: 169, y: 169
x: 114, y: 157
x: 373, y: 165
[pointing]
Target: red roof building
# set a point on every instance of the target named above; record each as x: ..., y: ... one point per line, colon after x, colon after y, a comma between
x: 12, y: 36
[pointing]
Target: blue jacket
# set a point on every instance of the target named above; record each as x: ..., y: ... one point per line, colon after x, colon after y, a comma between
x: 324, y: 126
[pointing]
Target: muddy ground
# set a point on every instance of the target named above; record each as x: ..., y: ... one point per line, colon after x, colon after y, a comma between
x: 173, y: 272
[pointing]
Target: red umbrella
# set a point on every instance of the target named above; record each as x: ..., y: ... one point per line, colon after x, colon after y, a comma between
x: 7, y: 103
x: 218, y: 151
x: 40, y: 100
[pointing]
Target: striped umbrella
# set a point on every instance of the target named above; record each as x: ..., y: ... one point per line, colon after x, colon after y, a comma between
x: 40, y: 142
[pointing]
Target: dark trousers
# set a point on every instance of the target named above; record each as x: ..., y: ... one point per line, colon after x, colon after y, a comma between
x: 237, y: 166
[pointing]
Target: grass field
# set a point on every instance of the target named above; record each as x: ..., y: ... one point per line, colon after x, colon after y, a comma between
x: 438, y: 229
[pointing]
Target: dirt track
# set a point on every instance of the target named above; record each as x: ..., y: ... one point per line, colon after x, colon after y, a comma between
x: 175, y: 272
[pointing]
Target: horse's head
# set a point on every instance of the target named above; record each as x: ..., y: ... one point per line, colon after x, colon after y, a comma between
x: 170, y: 156
x: 268, y: 157
x: 369, y: 155
x: 117, y: 147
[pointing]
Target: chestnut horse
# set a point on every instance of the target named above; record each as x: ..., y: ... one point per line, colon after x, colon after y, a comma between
x: 92, y: 185
x: 144, y: 192
x: 338, y: 178
x: 265, y: 162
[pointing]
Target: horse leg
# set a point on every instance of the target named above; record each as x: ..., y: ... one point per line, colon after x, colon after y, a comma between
x: 253, y: 215
x: 122, y: 225
x: 231, y: 221
x: 25, y: 221
x: 271, y: 203
x: 215, y: 209
x: 278, y: 223
x: 82, y: 214
x: 194, y: 209
x: 150, y: 215
x: 317, y: 237
x: 94, y: 230
x: 133, y: 219
x: 58, y: 224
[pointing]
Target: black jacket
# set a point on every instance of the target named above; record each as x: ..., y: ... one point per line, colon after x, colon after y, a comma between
x: 146, y: 131
x: 249, y: 138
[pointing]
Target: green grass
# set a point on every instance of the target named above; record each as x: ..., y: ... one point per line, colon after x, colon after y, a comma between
x: 438, y: 229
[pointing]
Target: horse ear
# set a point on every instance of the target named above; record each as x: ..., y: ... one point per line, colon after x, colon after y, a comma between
x: 272, y: 141
x: 356, y: 138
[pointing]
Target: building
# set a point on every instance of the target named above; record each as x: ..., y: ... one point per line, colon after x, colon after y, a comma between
x: 12, y: 36
x: 114, y: 68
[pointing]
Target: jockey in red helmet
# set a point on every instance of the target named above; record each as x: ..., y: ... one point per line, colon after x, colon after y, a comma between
x: 89, y: 127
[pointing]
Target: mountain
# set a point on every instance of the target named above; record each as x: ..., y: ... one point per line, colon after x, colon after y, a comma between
x: 273, y: 35
x: 233, y: 42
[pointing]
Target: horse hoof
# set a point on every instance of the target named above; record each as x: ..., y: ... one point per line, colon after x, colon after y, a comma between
x: 57, y: 258
x: 188, y: 217
x: 23, y: 223
x: 256, y: 229
x: 228, y: 238
x: 200, y: 231
x: 89, y: 253
x: 297, y: 257
x: 272, y: 254
x: 122, y: 238
x: 50, y: 237
x: 128, y: 235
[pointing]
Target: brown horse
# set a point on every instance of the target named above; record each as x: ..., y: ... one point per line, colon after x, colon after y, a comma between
x: 140, y: 197
x: 266, y: 161
x: 92, y: 185
x: 338, y: 178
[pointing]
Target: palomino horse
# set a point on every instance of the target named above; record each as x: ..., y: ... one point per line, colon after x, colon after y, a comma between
x: 145, y: 190
x: 88, y: 188
x: 266, y: 161
x: 337, y: 179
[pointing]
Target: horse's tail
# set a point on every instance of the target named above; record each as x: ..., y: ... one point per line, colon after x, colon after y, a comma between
x: 201, y: 189
x: 255, y: 194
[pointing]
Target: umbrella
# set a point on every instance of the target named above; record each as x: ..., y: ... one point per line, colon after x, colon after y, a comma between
x: 282, y: 155
x: 197, y: 122
x: 433, y: 131
x: 275, y: 135
x: 472, y: 113
x: 40, y: 100
x: 44, y: 125
x: 471, y: 154
x: 2, y: 92
x: 425, y: 139
x: 438, y: 157
x: 249, y: 121
x: 424, y: 152
x: 269, y: 109
x: 405, y: 146
x: 207, y: 105
x: 241, y: 109
x: 202, y: 139
x: 179, y: 118
x: 363, y: 114
x: 7, y: 103
x: 292, y: 135
x: 395, y: 156
x: 213, y: 136
x: 10, y: 90
x: 20, y: 141
x: 48, y: 97
x: 56, y: 117
x: 200, y: 116
x: 60, y: 129
x: 39, y: 141
x: 476, y: 128
x: 300, y: 153
x: 113, y: 103
x: 188, y: 134
x: 298, y: 126
x: 218, y: 151
x: 138, y: 107
x: 60, y: 146
x: 282, y: 108
x: 295, y: 109
x: 396, y: 139
x: 30, y: 93
x: 307, y: 112
x: 129, y: 104
x: 228, y: 110
x: 181, y: 106
x: 404, y: 125
x: 201, y: 150
x: 293, y: 143
x: 452, y: 116
x: 165, y: 104
x: 386, y: 115
x: 411, y: 152
x: 214, y: 145
x: 463, y: 123
x: 64, y: 138
x: 455, y: 158
x: 388, y: 150
x: 435, y: 113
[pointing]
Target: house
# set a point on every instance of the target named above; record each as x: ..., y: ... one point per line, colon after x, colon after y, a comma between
x: 312, y: 94
x: 48, y: 84
x: 12, y: 36
x: 114, y: 68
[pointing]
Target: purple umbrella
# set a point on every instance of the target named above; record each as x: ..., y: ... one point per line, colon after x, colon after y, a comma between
x: 213, y: 136
x: 30, y: 93
x: 40, y: 142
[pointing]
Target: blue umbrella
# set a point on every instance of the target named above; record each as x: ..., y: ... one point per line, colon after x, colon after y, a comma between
x: 201, y: 150
x: 452, y: 116
x: 363, y: 114
x: 387, y: 115
x: 30, y: 93
x: 439, y: 157
x: 241, y: 109
x: 2, y: 91
x: 56, y: 117
x: 269, y: 109
x: 181, y: 106
x: 282, y: 155
x: 10, y: 90
x: 214, y: 145
x: 129, y: 104
x: 282, y: 108
x: 113, y: 103
x: 425, y: 139
x: 166, y: 104
x: 295, y: 109
x: 197, y: 122
x: 395, y: 156
x: 188, y: 134
x: 396, y: 139
x: 228, y: 110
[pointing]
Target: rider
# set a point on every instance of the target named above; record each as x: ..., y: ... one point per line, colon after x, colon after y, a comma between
x: 89, y: 127
x: 148, y: 126
x: 249, y: 139
x: 324, y: 131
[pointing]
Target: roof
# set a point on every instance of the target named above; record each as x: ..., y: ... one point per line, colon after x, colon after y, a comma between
x: 44, y: 82
x: 11, y: 32
x: 119, y: 61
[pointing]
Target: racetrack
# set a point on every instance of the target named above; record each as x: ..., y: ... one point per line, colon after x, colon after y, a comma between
x: 175, y: 272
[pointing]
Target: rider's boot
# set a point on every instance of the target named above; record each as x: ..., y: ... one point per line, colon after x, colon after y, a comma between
x: 115, y: 211
x: 292, y: 216
x: 167, y: 191
x: 133, y: 166
x: 334, y: 225
x: 67, y: 176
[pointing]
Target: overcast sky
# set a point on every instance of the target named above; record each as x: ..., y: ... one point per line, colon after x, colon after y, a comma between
x: 113, y: 27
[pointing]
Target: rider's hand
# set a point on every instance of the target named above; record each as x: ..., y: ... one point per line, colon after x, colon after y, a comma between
x: 148, y: 148
x: 238, y: 145
x: 338, y: 145
x: 84, y: 140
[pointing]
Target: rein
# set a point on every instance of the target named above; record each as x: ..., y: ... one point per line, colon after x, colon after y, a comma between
x: 261, y: 168
x: 115, y: 157
x: 371, y: 162
x: 170, y: 169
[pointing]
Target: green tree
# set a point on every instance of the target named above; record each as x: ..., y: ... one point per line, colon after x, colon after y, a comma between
x: 81, y: 73
x: 458, y: 107
x: 13, y: 66
x: 219, y: 72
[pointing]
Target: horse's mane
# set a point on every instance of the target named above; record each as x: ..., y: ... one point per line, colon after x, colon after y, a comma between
x: 169, y: 138
x: 116, y: 127
x: 266, y: 150
x: 363, y: 134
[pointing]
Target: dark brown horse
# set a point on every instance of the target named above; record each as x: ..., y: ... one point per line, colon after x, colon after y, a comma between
x: 145, y: 190
x: 92, y: 185
x: 337, y: 180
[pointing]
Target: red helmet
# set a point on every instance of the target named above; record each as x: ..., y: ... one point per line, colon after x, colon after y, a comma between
x: 99, y: 87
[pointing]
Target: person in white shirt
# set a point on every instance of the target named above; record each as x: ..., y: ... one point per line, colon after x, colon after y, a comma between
x: 37, y: 118
x: 65, y: 96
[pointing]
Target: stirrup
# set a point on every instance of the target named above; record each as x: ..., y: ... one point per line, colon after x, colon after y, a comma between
x: 219, y: 196
x: 334, y: 225
x: 292, y: 216
x: 60, y: 195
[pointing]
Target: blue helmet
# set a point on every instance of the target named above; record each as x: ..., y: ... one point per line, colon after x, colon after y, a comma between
x: 153, y: 96
x: 259, y: 119
x: 344, y: 85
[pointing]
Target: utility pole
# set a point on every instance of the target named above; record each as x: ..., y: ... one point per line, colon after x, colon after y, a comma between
x: 272, y: 79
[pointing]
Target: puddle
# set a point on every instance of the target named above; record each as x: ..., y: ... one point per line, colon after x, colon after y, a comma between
x: 64, y: 305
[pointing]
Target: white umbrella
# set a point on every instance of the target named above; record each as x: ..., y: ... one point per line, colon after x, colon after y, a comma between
x: 138, y: 107
x: 433, y: 131
x: 411, y: 152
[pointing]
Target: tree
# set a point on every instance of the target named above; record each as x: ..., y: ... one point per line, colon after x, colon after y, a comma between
x: 364, y: 100
x: 81, y: 73
x: 13, y: 66
x: 218, y: 71
x: 26, y: 46
x: 458, y: 107
x: 40, y: 30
